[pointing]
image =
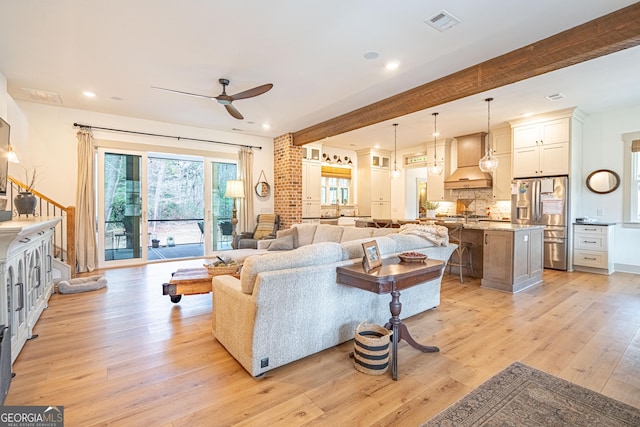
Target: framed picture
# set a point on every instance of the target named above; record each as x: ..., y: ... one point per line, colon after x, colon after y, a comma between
x: 371, y: 257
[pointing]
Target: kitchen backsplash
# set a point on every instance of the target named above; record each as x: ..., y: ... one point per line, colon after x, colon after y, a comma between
x: 484, y: 204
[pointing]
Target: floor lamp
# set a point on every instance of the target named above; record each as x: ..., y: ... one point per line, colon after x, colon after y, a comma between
x: 235, y: 189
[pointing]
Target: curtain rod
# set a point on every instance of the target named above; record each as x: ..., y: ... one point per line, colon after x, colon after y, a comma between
x: 78, y: 125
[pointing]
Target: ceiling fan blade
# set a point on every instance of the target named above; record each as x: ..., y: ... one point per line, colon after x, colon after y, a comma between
x: 253, y: 92
x: 233, y: 111
x: 184, y: 93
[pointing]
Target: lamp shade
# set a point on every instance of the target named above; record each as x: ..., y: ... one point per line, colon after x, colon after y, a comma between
x: 235, y: 188
x: 12, y: 156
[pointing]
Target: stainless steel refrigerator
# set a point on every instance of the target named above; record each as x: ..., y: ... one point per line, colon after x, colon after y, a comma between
x: 543, y: 201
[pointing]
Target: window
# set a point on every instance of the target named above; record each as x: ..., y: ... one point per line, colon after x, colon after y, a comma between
x: 335, y: 190
x: 631, y: 180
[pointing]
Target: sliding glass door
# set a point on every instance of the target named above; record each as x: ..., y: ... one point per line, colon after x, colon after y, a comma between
x: 151, y: 206
x: 121, y: 193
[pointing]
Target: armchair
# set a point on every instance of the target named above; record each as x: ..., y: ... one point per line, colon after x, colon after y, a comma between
x: 267, y: 226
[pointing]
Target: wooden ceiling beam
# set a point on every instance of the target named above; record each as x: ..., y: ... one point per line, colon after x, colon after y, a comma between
x: 602, y: 36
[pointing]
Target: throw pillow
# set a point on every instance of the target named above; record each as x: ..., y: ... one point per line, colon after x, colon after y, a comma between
x: 293, y: 231
x: 281, y: 244
x: 265, y: 226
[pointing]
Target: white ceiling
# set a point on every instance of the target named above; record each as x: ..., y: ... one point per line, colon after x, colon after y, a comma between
x: 313, y: 53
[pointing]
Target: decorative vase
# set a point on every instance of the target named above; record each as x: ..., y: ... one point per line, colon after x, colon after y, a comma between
x: 25, y: 203
x: 431, y: 213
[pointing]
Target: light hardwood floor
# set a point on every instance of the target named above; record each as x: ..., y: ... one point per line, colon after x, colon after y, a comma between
x: 126, y: 355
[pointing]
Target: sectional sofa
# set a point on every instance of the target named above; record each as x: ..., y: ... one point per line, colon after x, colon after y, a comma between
x: 287, y: 304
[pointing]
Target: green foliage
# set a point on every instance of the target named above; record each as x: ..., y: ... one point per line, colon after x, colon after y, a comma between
x: 431, y: 206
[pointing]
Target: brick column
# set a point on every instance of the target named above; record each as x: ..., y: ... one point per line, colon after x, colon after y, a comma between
x: 287, y: 182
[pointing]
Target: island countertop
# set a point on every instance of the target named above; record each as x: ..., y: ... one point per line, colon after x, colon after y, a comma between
x: 487, y: 225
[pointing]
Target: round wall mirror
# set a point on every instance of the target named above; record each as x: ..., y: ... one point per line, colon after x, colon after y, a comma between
x: 603, y: 181
x: 262, y: 189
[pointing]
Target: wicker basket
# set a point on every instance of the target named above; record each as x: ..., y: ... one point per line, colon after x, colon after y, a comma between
x: 219, y: 270
x: 371, y: 349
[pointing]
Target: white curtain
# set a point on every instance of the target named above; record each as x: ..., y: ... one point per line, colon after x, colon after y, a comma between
x: 86, y: 247
x: 246, y: 219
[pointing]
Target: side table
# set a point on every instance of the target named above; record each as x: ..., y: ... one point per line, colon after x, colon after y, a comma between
x: 392, y: 277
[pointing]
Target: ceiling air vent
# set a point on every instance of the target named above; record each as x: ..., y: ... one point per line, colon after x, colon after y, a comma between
x: 42, y: 96
x: 442, y: 20
x: 556, y: 96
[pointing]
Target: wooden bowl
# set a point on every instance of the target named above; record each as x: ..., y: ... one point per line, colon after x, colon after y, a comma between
x: 412, y: 258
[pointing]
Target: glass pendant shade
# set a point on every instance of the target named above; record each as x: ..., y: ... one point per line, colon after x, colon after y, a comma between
x: 489, y: 163
x: 435, y: 169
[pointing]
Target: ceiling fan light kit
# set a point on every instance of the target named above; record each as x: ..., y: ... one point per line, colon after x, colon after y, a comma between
x: 224, y: 98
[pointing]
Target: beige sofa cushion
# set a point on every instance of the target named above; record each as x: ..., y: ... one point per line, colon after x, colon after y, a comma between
x: 327, y: 233
x: 293, y: 232
x: 305, y: 233
x: 317, y: 254
x: 353, y: 248
x: 355, y: 233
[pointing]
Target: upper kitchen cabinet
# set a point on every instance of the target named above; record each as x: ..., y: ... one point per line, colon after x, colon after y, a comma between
x: 374, y: 183
x: 542, y: 145
x: 311, y: 152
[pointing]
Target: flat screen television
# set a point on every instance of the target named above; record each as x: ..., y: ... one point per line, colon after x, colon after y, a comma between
x: 4, y: 161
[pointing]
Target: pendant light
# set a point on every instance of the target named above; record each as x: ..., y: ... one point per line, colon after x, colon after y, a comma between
x: 395, y: 173
x: 489, y: 163
x: 436, y: 168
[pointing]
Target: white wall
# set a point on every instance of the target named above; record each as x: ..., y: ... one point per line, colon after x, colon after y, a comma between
x: 44, y: 136
x: 603, y: 149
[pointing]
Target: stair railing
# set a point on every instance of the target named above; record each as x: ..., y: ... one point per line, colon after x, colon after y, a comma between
x: 64, y: 238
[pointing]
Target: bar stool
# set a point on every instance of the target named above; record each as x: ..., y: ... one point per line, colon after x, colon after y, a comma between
x: 462, y: 251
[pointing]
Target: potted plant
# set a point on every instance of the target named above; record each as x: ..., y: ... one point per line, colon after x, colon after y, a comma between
x: 25, y: 202
x: 431, y: 207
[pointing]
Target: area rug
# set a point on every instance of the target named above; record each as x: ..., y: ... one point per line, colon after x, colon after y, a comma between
x: 523, y: 396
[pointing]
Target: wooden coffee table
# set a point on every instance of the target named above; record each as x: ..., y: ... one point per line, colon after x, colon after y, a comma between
x: 392, y: 277
x: 189, y: 281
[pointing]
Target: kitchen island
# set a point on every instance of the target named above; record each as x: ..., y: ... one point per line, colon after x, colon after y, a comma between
x: 508, y: 257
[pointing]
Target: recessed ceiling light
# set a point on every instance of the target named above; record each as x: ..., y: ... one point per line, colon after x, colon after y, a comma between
x: 89, y: 94
x: 392, y: 65
x: 527, y: 114
x: 556, y: 96
x: 371, y: 55
x: 266, y: 126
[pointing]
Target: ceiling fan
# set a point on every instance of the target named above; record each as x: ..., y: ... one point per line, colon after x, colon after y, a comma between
x: 225, y: 99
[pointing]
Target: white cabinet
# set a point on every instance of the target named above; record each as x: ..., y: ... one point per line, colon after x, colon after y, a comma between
x: 501, y: 146
x: 592, y: 245
x: 311, y: 152
x: 541, y: 148
x: 374, y: 184
x: 26, y: 269
x: 311, y: 183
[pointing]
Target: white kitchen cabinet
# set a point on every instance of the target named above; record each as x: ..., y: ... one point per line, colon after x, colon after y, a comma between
x: 542, y: 148
x: 501, y: 147
x: 502, y: 178
x: 374, y: 184
x: 26, y: 269
x: 311, y: 183
x: 311, y: 152
x: 592, y: 245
